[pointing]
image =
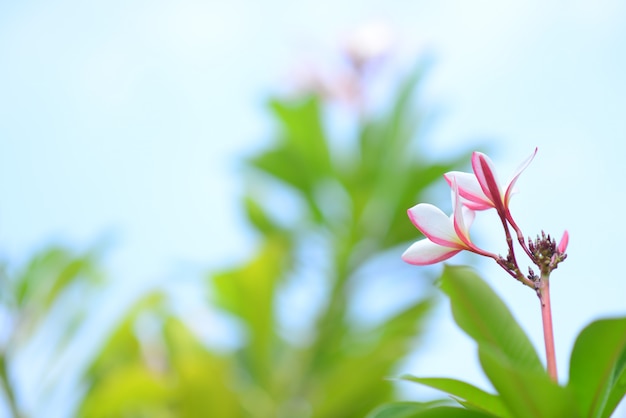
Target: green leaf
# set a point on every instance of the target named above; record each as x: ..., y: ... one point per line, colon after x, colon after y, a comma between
x: 485, y: 318
x: 204, y: 381
x: 350, y: 386
x: 397, y: 126
x: 122, y: 347
x: 399, y: 410
x: 301, y: 157
x: 248, y: 292
x: 287, y: 166
x: 416, y: 410
x: 526, y: 393
x: 49, y: 274
x: 57, y: 282
x: 259, y: 218
x: 451, y: 412
x: 616, y: 395
x: 596, y: 371
x: 304, y: 131
x: 463, y: 391
x: 130, y: 391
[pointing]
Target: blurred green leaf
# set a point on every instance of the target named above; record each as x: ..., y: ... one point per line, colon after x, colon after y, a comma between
x: 389, y: 135
x: 248, y: 292
x: 415, y: 410
x: 451, y: 412
x: 479, y: 312
x: 350, y: 388
x: 47, y: 299
x: 374, y: 186
x: 122, y: 348
x: 259, y: 217
x: 44, y: 281
x: 204, y: 382
x: 400, y: 409
x: 173, y: 377
x: 526, y: 392
x: 301, y: 157
x: 595, y: 367
x: 469, y: 395
x: 133, y: 390
x: 354, y: 199
x: 303, y: 128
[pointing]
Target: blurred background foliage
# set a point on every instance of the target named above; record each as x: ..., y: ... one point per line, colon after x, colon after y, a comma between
x: 322, y: 207
x: 45, y: 304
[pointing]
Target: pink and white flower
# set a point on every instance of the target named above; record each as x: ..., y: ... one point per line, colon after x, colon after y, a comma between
x: 448, y: 236
x: 481, y: 190
x: 445, y: 236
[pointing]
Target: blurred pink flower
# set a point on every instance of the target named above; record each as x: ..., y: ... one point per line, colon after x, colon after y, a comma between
x: 369, y: 43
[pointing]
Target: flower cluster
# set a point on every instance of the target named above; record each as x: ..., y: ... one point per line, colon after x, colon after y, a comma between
x: 477, y: 191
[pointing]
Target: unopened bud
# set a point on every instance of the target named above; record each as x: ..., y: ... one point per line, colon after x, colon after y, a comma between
x: 563, y: 244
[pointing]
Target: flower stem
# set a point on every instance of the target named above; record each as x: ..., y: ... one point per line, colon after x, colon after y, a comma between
x: 543, y: 292
x: 8, y: 388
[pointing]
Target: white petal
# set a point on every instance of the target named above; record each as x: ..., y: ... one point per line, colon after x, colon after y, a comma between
x: 470, y: 190
x: 425, y: 252
x: 433, y: 223
x: 462, y: 217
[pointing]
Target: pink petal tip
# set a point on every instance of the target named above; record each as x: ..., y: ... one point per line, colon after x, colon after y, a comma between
x: 563, y: 244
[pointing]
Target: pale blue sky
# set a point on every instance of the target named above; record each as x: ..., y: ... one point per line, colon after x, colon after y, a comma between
x: 129, y: 117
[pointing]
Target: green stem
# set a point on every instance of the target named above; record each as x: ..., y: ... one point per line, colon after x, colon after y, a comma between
x: 8, y: 388
x: 548, y: 334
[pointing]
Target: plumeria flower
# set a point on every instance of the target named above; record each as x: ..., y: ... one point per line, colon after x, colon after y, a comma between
x: 445, y: 236
x: 481, y: 190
